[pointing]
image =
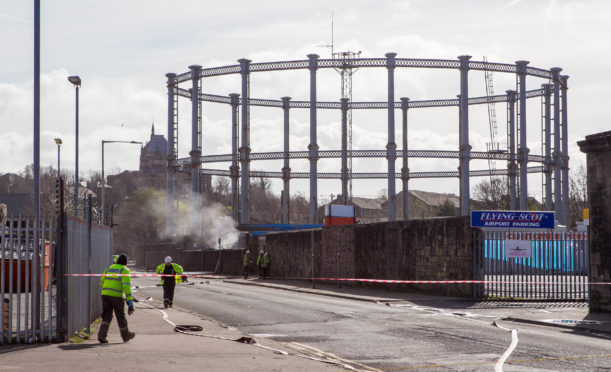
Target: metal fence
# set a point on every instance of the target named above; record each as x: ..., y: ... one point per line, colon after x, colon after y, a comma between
x: 40, y: 304
x: 27, y: 280
x: 82, y: 294
x: 557, y: 266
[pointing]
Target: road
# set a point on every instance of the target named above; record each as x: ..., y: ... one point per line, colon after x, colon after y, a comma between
x: 397, y: 336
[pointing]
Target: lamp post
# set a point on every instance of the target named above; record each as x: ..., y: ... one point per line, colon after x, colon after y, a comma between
x: 76, y: 81
x: 58, y: 142
x: 103, y: 180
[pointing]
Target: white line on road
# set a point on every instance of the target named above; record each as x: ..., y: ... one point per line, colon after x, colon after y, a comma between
x: 498, y: 367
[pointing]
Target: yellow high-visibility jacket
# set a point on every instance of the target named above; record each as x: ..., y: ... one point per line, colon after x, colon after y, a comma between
x: 115, y: 285
x: 176, y: 269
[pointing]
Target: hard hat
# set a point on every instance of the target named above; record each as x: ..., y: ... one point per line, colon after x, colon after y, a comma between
x: 168, y: 259
x: 247, y: 252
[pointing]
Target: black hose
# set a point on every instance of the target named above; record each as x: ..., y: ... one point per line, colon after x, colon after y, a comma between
x: 187, y: 328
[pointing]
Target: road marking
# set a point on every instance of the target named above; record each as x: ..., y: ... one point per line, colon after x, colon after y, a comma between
x: 466, y: 315
x: 498, y: 367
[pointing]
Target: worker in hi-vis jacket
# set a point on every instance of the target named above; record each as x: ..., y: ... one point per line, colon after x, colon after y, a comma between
x: 169, y: 282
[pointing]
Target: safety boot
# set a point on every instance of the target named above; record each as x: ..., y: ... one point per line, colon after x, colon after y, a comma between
x: 103, y: 332
x: 126, y: 335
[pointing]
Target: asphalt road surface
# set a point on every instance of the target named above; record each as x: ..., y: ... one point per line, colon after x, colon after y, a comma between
x: 401, y: 337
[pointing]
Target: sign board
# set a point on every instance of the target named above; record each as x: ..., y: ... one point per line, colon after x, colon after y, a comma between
x: 517, y: 248
x: 513, y: 219
x: 586, y: 216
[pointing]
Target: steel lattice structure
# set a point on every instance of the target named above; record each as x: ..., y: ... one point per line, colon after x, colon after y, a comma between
x: 554, y: 159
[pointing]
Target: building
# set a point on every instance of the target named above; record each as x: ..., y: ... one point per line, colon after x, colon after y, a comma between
x: 153, y: 171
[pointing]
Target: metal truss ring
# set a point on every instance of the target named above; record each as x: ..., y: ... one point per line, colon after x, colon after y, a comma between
x: 337, y: 154
x: 363, y: 63
x: 449, y: 102
x: 337, y: 175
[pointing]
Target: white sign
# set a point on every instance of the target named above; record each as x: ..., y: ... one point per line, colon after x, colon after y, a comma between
x: 517, y: 248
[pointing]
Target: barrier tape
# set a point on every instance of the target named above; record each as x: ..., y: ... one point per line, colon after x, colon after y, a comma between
x: 391, y: 281
x: 388, y: 281
x: 151, y: 275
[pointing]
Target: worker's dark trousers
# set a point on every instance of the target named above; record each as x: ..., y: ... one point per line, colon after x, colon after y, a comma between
x: 168, y: 292
x: 116, y: 304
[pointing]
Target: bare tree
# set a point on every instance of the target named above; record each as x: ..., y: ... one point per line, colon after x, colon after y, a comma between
x: 492, y: 194
x: 578, y: 194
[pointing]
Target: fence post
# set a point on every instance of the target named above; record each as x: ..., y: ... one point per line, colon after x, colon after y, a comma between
x: 89, y: 223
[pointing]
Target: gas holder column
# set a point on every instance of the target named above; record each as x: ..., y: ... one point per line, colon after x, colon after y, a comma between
x: 234, y: 169
x: 195, y: 152
x: 512, y: 167
x: 171, y: 156
x: 465, y: 148
x: 344, y: 174
x: 405, y: 168
x: 245, y: 148
x: 523, y: 149
x: 286, y: 170
x: 313, y: 146
x: 547, y: 163
x: 565, y: 151
x: 391, y: 146
x: 557, y: 153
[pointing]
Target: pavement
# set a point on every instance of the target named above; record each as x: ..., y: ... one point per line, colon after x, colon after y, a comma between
x: 158, y: 347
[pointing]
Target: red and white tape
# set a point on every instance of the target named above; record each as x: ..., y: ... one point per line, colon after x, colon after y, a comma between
x: 391, y: 281
x: 387, y: 281
x: 148, y: 275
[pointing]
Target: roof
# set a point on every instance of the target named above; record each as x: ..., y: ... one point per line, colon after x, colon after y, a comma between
x: 366, y: 203
x: 17, y: 204
x: 363, y: 203
x: 434, y: 198
x: 157, y: 144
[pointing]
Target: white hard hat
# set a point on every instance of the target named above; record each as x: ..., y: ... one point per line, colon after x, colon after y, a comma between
x: 168, y: 259
x: 247, y: 252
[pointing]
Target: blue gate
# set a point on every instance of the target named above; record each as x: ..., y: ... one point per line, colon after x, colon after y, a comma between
x: 544, y: 266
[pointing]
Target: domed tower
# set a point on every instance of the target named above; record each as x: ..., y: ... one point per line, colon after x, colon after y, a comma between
x: 154, y: 162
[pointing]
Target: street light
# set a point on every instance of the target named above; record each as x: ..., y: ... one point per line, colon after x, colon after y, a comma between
x: 58, y: 142
x: 76, y: 81
x: 103, y: 180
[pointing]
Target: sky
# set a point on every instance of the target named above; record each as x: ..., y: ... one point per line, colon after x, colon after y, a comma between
x: 123, y: 49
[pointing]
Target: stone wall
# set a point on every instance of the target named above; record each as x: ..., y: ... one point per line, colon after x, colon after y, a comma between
x: 598, y: 150
x: 431, y: 249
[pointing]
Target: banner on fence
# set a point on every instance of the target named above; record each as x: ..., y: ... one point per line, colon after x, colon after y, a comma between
x: 517, y: 248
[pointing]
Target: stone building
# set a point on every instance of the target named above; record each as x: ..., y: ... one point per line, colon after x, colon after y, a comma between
x: 598, y: 150
x: 153, y: 170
